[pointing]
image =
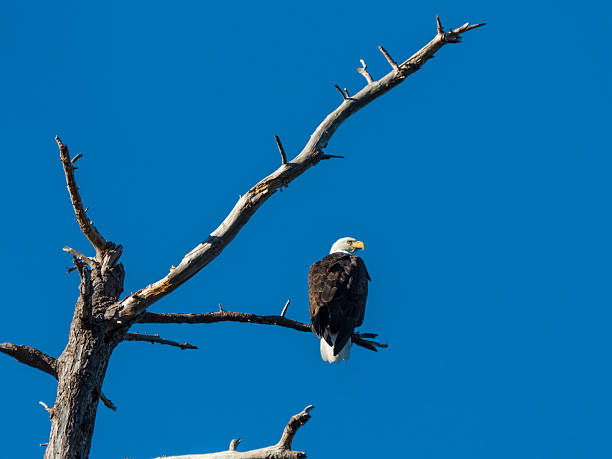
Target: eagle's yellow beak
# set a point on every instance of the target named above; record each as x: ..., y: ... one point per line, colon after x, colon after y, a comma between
x: 358, y: 245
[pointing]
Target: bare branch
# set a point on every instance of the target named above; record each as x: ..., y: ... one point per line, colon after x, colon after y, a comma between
x: 324, y: 156
x: 250, y: 202
x: 46, y: 407
x: 282, y: 450
x: 439, y: 25
x: 87, y: 227
x: 234, y: 444
x: 384, y: 52
x: 244, y: 317
x: 281, y: 149
x: 75, y: 159
x: 31, y: 356
x: 76, y: 254
x: 107, y: 403
x: 293, y: 425
x: 284, y: 311
x: 363, y: 71
x: 156, y: 339
x: 344, y: 96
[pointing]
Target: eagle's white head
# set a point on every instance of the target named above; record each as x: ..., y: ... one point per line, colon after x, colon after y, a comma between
x: 348, y: 245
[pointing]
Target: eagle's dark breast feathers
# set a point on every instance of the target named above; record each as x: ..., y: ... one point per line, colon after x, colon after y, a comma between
x: 337, y: 290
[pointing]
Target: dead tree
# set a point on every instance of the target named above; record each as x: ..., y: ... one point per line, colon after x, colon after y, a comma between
x: 102, y: 320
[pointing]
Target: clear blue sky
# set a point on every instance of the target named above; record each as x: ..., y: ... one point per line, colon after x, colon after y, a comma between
x: 481, y: 187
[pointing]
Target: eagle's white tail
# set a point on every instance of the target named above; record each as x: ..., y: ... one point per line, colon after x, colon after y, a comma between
x: 327, y: 351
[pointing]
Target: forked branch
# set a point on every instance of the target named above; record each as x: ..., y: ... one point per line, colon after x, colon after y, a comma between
x: 249, y: 203
x: 282, y: 450
x: 86, y: 225
x: 363, y: 340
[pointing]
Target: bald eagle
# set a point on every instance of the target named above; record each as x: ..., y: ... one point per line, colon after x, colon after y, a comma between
x: 337, y: 291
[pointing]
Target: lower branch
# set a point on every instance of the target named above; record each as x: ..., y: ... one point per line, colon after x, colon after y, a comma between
x: 282, y: 450
x: 31, y: 356
x: 38, y: 359
x: 360, y: 339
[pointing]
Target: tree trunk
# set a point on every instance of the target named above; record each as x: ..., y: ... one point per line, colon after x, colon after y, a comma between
x: 82, y: 365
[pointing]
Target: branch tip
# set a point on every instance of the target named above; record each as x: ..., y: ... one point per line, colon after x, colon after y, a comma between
x: 281, y: 149
x: 292, y: 427
x: 234, y: 444
x: 285, y: 308
x: 107, y: 403
x: 439, y: 25
x: 344, y: 96
x: 363, y: 71
x: 326, y: 156
x: 390, y: 60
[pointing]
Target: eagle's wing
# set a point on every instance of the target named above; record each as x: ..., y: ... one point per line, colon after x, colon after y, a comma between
x: 357, y: 290
x: 337, y: 290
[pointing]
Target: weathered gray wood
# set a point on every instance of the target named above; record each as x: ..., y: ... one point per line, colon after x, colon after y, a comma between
x: 281, y: 450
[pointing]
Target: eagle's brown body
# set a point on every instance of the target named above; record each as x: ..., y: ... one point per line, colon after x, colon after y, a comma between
x: 337, y: 290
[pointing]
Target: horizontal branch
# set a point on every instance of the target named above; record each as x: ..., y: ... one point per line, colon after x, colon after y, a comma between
x: 250, y: 202
x: 87, y: 227
x: 281, y: 450
x: 156, y: 339
x: 31, y: 356
x: 360, y: 339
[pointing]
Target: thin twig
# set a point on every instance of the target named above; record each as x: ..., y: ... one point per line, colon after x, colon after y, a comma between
x: 234, y: 444
x: 363, y: 71
x: 107, y: 403
x: 156, y: 339
x: 344, y: 96
x: 46, y: 407
x: 282, y: 314
x: 392, y: 63
x: 439, y: 25
x: 75, y: 253
x: 281, y: 149
x: 326, y: 156
x: 75, y: 159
